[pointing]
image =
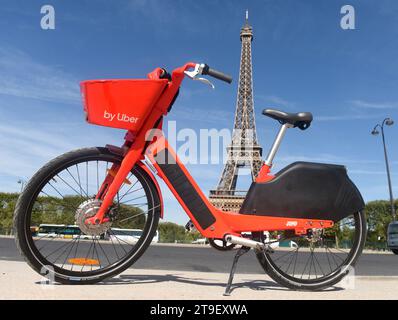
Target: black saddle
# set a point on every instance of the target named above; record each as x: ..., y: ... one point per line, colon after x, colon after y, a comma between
x: 301, y: 120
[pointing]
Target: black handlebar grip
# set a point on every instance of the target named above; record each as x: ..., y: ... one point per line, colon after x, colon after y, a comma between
x: 216, y: 74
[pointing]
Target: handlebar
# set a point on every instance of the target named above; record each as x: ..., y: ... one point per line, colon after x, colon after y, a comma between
x: 177, y: 76
x: 206, y: 70
x: 186, y: 70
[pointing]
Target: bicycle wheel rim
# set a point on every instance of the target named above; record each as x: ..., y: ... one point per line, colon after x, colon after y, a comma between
x: 102, y: 271
x: 339, y: 267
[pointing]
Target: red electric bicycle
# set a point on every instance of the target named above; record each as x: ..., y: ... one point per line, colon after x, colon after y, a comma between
x: 91, y: 213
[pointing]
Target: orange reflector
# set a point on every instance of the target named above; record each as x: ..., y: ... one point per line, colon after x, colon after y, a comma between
x: 84, y: 262
x: 113, y: 174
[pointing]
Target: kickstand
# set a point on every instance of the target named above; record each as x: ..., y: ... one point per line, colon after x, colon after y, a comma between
x: 240, y: 253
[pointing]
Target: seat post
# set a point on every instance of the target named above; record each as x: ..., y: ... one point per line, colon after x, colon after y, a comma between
x: 276, y: 144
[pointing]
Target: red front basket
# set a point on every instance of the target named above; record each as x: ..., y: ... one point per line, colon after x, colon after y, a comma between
x: 122, y: 104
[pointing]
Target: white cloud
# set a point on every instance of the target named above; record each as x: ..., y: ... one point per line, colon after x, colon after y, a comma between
x: 217, y: 115
x: 275, y: 100
x: 25, y: 150
x: 371, y: 172
x: 22, y: 76
x: 347, y: 117
x: 325, y: 158
x: 374, y: 105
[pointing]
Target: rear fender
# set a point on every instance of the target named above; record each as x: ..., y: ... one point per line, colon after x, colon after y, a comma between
x: 305, y: 190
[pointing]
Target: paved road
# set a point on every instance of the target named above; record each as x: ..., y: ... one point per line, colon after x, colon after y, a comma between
x: 203, y: 259
x: 18, y: 281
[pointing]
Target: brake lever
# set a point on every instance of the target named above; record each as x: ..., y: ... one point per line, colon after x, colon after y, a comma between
x: 194, y: 75
x: 206, y: 81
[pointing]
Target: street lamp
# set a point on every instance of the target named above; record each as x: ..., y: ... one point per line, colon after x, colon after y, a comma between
x: 22, y: 183
x: 388, y: 122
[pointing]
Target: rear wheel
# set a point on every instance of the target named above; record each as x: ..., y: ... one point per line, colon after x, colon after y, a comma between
x: 395, y: 251
x: 50, y: 214
x: 316, y: 260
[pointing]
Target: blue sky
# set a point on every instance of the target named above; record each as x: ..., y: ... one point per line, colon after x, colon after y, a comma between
x: 302, y: 59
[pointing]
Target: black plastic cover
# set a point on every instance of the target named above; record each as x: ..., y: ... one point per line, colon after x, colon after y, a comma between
x: 185, y: 189
x: 305, y: 190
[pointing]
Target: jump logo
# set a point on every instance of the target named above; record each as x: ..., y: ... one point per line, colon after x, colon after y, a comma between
x: 291, y: 224
x: 120, y: 117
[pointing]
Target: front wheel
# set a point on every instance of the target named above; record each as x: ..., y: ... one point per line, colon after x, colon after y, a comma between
x: 50, y: 214
x: 317, y: 260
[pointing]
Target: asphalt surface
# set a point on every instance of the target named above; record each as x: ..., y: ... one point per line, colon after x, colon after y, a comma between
x: 18, y: 281
x: 205, y: 259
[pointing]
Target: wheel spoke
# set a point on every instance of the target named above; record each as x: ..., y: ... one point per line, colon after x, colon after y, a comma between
x: 128, y: 190
x: 60, y: 243
x: 87, y: 179
x: 70, y: 250
x: 305, y: 267
x: 74, y: 190
x: 127, y: 201
x: 80, y: 183
x: 140, y: 214
x: 80, y: 192
x: 118, y: 240
x: 291, y: 260
x: 317, y: 255
x: 295, y: 261
x: 75, y: 255
x: 114, y: 248
x: 62, y: 203
x: 319, y: 265
x: 105, y: 255
x: 97, y: 177
x: 86, y: 258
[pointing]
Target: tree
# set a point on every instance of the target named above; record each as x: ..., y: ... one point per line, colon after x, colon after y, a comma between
x: 55, y: 210
x: 170, y: 233
x: 7, y: 207
x: 378, y: 217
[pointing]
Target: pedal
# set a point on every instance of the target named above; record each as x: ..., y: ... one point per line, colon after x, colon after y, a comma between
x: 190, y: 227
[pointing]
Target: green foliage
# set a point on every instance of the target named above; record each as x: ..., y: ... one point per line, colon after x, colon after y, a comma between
x: 7, y: 207
x: 378, y: 216
x: 53, y: 210
x: 170, y: 232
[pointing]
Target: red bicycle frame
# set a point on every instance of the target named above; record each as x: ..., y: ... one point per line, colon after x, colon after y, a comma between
x: 210, y: 221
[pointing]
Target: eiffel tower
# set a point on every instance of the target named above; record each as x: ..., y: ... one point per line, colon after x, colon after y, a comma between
x: 244, y: 151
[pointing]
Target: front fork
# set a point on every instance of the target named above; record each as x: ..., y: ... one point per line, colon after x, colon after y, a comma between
x: 115, y: 178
